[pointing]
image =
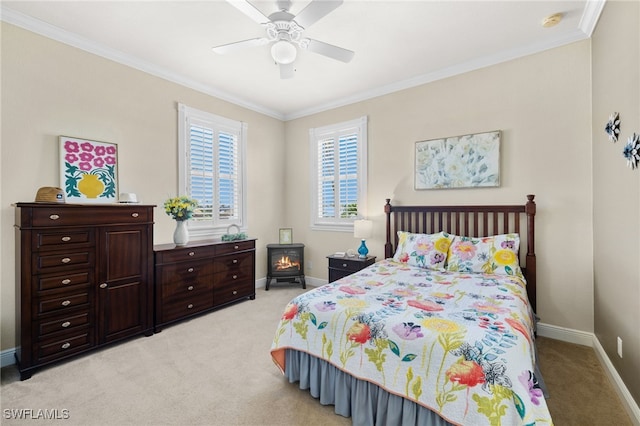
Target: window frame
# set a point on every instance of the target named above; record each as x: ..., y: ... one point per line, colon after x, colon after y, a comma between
x: 217, y: 226
x: 316, y: 135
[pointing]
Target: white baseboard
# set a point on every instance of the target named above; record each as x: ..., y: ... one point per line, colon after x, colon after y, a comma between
x: 628, y: 402
x: 7, y: 357
x: 590, y: 339
x: 565, y: 334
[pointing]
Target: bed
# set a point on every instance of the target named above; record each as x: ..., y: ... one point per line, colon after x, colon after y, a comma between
x: 441, y: 331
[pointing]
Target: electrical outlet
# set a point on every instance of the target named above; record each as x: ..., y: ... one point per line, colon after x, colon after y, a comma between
x: 309, y: 264
x: 619, y: 347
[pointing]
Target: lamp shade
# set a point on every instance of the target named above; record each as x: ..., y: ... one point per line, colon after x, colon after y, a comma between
x: 362, y: 229
x: 283, y: 52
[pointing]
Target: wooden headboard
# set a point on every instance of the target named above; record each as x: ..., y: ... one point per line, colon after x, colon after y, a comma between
x: 469, y: 221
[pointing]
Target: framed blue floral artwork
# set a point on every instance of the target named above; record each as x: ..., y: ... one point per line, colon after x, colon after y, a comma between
x: 466, y: 161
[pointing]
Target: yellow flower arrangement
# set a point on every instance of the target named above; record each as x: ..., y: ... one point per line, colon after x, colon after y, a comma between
x: 180, y: 208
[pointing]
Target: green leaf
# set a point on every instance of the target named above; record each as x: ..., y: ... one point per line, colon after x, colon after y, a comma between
x: 322, y: 325
x: 519, y: 405
x: 409, y: 357
x: 313, y: 319
x: 394, y: 347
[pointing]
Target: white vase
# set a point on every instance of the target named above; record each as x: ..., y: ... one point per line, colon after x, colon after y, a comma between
x: 181, y: 234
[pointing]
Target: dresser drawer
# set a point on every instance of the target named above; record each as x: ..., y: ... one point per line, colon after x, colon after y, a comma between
x: 234, y: 264
x: 59, y: 303
x: 175, y: 289
x: 190, y: 270
x: 71, y: 279
x: 184, y: 254
x: 50, y: 262
x: 72, y: 216
x: 44, y: 240
x: 61, y: 346
x: 63, y: 323
x: 233, y: 291
x: 235, y: 246
x: 183, y: 307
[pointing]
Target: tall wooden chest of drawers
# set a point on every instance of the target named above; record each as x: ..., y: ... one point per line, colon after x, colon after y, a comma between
x: 201, y: 276
x: 85, y: 278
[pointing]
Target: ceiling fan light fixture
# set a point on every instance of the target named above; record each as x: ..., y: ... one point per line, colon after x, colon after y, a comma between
x: 283, y: 52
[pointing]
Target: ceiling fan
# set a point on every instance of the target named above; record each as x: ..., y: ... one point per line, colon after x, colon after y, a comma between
x: 285, y: 30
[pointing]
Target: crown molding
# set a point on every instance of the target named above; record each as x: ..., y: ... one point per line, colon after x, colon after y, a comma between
x: 55, y: 33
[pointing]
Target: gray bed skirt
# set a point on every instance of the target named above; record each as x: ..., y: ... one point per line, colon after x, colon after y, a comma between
x: 366, y: 403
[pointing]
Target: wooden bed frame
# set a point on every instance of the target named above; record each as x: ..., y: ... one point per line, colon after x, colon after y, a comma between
x: 470, y: 221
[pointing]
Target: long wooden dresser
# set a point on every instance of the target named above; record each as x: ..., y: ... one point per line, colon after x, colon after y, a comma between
x: 200, y: 277
x: 84, y: 279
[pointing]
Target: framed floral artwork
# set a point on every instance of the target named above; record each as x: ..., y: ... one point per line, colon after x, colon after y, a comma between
x: 467, y: 161
x: 88, y: 170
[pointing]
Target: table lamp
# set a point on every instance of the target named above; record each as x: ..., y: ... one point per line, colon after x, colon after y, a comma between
x: 362, y: 229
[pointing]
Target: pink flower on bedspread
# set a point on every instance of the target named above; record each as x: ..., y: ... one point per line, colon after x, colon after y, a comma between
x: 359, y: 333
x: 425, y: 305
x: 408, y: 330
x: 490, y: 308
x: 405, y: 292
x: 404, y: 257
x: 465, y: 250
x: 352, y: 289
x: 531, y: 384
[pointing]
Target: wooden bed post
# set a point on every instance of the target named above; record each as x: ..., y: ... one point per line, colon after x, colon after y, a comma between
x: 387, y: 246
x: 530, y: 210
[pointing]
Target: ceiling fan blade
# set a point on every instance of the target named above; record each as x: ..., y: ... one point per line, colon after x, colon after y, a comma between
x: 250, y: 10
x: 330, y: 50
x: 239, y: 45
x: 286, y: 70
x: 315, y: 11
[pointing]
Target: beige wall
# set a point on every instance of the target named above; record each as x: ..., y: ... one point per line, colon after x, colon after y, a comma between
x: 542, y: 104
x: 616, y: 189
x: 51, y: 89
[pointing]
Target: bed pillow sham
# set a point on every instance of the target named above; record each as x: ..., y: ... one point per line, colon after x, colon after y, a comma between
x: 423, y: 250
x: 497, y: 254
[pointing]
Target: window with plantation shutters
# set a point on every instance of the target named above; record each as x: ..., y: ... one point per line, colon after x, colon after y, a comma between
x: 211, y: 170
x: 339, y: 161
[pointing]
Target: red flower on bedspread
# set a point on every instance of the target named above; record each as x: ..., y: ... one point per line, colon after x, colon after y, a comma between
x: 290, y: 311
x: 359, y: 333
x: 466, y: 373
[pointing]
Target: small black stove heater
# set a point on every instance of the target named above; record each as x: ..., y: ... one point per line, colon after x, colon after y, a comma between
x: 285, y: 263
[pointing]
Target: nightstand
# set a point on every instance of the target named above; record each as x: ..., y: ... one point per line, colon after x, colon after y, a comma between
x: 341, y: 266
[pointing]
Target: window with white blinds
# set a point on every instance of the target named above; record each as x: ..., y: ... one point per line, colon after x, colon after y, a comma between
x: 339, y: 167
x: 211, y: 170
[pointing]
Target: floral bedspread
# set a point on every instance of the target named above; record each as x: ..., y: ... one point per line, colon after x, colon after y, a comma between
x: 459, y: 344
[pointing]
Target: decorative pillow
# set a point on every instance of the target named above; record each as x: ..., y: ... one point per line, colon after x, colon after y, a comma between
x: 497, y: 254
x: 423, y: 250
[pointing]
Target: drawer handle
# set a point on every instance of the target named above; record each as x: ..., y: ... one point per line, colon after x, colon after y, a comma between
x: 66, y: 281
x: 344, y: 265
x: 66, y: 345
x: 103, y: 285
x: 190, y: 306
x: 66, y: 303
x: 190, y: 270
x: 235, y: 292
x: 190, y: 288
x: 235, y: 277
x: 66, y: 324
x: 236, y: 247
x: 135, y: 214
x: 66, y: 260
x: 66, y: 239
x: 235, y: 260
x: 191, y: 253
x: 54, y: 217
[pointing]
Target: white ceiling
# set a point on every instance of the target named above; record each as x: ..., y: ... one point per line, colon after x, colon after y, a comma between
x: 397, y: 44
